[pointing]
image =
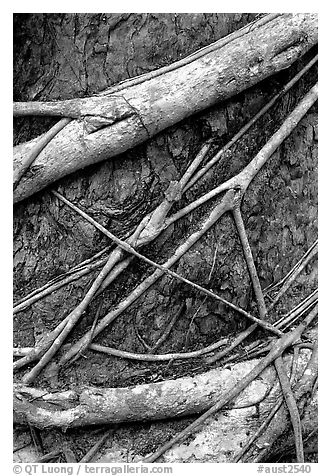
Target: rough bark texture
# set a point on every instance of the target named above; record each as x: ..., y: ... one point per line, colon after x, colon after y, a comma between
x: 61, y: 56
x: 224, y: 434
x: 160, y: 400
x: 116, y: 122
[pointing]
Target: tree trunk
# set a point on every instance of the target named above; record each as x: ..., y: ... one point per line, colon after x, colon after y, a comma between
x: 64, y: 56
x: 109, y: 125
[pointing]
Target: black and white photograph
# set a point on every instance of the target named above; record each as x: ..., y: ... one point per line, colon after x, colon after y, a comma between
x: 165, y: 240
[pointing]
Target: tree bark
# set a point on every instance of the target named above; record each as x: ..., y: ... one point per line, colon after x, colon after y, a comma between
x: 108, y: 125
x: 155, y: 401
x: 59, y: 57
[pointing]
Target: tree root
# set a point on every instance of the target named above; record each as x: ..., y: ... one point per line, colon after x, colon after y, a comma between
x: 276, y: 351
x: 120, y: 121
x: 171, y: 398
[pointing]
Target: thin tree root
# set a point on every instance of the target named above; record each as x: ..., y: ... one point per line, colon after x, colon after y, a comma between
x: 293, y: 276
x: 272, y: 287
x: 48, y: 289
x: 297, y: 310
x: 77, y: 268
x: 245, y: 178
x: 247, y: 126
x: 168, y: 329
x: 188, y: 59
x: 282, y: 323
x: 277, y: 349
x: 303, y: 388
x: 259, y: 431
x: 212, y: 162
x: 284, y: 380
x: 271, y: 414
x: 157, y: 357
x: 37, y: 148
x: 215, y: 214
x: 127, y: 247
x: 292, y: 407
x: 95, y: 448
x: 142, y: 357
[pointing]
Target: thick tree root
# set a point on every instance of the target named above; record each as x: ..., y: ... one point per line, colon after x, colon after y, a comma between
x: 119, y: 121
x: 171, y: 398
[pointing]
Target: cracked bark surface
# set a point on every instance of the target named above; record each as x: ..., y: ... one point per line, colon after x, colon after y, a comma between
x: 65, y: 56
x: 121, y: 119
